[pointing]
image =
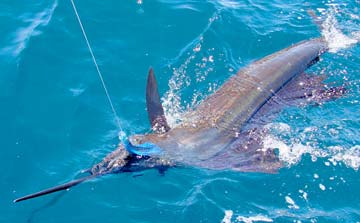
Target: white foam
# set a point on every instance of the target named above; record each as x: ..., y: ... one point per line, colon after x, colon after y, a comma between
x: 291, y: 202
x: 229, y: 4
x: 304, y: 194
x: 76, y: 91
x: 279, y: 127
x: 250, y: 219
x: 322, y: 187
x: 23, y: 35
x: 290, y: 153
x: 257, y: 218
x: 228, y: 216
x: 336, y: 39
x: 350, y: 157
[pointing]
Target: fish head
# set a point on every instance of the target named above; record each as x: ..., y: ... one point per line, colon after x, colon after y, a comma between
x: 134, y: 154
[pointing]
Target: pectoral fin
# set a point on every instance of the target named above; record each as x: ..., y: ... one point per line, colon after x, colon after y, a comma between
x: 247, y: 153
x: 303, y: 90
x: 153, y: 105
x: 307, y: 89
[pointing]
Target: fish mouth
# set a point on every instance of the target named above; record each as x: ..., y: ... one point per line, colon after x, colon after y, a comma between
x: 133, y: 156
x: 113, y: 162
x: 119, y: 161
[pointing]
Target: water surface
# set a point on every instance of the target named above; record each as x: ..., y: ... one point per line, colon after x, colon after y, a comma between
x: 56, y: 119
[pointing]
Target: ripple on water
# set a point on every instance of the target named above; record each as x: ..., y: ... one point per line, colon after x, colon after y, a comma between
x: 23, y: 35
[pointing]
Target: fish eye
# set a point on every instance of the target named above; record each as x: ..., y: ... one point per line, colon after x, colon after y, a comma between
x: 136, y: 139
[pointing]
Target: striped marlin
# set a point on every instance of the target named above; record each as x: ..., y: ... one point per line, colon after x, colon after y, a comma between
x: 225, y: 130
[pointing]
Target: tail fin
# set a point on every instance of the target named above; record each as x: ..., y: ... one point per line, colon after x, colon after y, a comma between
x: 55, y: 189
x: 335, y: 38
x: 317, y: 20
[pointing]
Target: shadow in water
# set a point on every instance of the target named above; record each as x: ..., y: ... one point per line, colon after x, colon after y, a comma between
x: 52, y: 202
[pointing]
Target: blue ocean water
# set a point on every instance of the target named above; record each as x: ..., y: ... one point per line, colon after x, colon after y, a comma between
x: 56, y: 119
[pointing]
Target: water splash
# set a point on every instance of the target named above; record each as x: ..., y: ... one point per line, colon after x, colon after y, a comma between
x: 250, y: 219
x: 172, y: 99
x: 336, y: 39
x: 23, y: 35
x: 290, y: 153
x: 351, y: 157
x: 180, y: 80
x: 229, y: 4
x: 291, y: 203
x: 228, y: 216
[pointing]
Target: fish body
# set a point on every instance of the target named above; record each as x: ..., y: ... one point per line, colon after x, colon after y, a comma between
x: 220, y: 132
x: 218, y: 124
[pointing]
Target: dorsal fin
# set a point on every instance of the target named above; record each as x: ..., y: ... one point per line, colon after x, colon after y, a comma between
x: 153, y: 105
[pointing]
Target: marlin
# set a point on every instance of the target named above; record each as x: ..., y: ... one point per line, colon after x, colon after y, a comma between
x: 224, y: 131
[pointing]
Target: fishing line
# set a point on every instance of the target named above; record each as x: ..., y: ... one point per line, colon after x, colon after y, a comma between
x: 98, y: 70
